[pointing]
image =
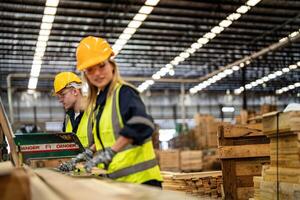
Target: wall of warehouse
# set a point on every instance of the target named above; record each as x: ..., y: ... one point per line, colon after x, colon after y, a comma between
x: 45, y: 108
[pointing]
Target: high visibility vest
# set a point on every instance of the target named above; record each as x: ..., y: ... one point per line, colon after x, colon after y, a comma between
x: 84, y: 130
x: 135, y: 163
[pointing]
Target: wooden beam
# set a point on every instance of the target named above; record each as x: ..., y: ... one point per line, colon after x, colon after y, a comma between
x: 244, y: 151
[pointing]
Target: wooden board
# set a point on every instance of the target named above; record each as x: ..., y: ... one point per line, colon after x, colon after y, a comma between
x: 244, y: 151
x: 249, y: 130
x: 287, y: 122
x: 250, y: 167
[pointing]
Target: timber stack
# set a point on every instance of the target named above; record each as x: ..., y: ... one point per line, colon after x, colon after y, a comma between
x: 200, y: 184
x: 281, y: 179
x: 243, y: 150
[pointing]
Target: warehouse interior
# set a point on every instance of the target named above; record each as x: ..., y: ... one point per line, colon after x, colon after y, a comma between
x: 220, y: 79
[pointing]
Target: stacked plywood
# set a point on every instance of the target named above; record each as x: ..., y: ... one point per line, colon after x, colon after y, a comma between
x: 243, y: 150
x: 201, y: 184
x: 169, y: 160
x: 191, y: 160
x: 282, y: 178
x: 206, y: 131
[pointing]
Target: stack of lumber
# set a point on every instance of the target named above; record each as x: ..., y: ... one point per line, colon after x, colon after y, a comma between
x: 243, y: 150
x: 191, y: 160
x: 281, y: 180
x: 169, y: 160
x: 180, y: 160
x: 200, y: 184
x: 206, y: 131
x: 26, y: 184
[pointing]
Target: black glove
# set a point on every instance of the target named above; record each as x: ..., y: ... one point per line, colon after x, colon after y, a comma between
x: 104, y: 156
x: 71, y: 165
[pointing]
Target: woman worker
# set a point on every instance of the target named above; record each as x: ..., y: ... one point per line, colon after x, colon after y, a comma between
x: 122, y: 129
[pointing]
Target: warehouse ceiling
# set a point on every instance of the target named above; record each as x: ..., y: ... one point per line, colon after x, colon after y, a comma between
x: 171, y: 28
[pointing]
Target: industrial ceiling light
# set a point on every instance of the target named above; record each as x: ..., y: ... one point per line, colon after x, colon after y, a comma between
x: 235, y: 68
x: 196, y: 46
x: 140, y: 17
x: 217, y: 29
x: 50, y: 11
x: 129, y: 30
x: 202, y: 41
x: 134, y: 24
x: 267, y: 78
x: 52, y: 3
x: 225, y: 23
x: 243, y: 9
x: 234, y: 16
x: 125, y: 36
x: 146, y: 10
x: 48, y: 18
x: 252, y: 2
x: 214, y: 31
x: 151, y: 2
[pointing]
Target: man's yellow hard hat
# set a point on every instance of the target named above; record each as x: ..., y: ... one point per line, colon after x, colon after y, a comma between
x: 63, y: 79
x: 91, y: 51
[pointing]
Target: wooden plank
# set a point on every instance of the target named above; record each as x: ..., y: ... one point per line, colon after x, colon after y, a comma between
x: 14, y: 183
x: 244, y: 193
x: 7, y: 130
x: 232, y: 131
x: 245, y: 181
x: 229, y: 179
x: 287, y: 122
x: 250, y: 167
x: 244, y: 151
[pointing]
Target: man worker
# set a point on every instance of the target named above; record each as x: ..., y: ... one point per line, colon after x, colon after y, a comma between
x: 67, y: 88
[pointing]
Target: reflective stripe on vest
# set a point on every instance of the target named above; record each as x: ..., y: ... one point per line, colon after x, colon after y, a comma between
x: 136, y: 163
x: 133, y: 169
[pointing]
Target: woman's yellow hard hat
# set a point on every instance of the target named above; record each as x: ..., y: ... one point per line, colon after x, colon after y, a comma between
x: 91, y: 51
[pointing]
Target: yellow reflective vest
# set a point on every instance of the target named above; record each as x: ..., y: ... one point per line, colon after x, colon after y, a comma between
x: 135, y: 163
x: 82, y: 130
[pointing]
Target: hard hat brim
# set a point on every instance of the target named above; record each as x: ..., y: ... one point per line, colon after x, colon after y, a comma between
x: 94, y: 61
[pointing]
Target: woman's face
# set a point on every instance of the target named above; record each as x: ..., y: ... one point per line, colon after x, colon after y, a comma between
x: 100, y: 75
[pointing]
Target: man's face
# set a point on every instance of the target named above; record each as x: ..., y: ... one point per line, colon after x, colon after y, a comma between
x: 67, y: 97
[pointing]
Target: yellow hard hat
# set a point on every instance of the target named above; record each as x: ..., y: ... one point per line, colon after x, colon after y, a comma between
x: 91, y: 51
x: 63, y: 79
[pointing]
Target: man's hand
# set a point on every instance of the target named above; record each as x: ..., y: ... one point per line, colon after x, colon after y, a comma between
x: 104, y: 156
x: 71, y: 165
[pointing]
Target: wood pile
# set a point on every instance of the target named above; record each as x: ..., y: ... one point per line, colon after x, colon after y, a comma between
x: 169, y: 160
x: 24, y: 183
x: 200, y: 184
x: 206, y: 131
x: 281, y: 179
x: 180, y: 160
x: 243, y: 150
x: 191, y: 160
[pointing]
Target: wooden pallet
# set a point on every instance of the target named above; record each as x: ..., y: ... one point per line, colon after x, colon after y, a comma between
x: 243, y: 149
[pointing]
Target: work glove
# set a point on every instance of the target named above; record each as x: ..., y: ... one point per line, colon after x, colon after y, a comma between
x: 71, y: 164
x: 104, y: 156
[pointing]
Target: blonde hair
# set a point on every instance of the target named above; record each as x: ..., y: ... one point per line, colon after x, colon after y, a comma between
x: 93, y: 90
